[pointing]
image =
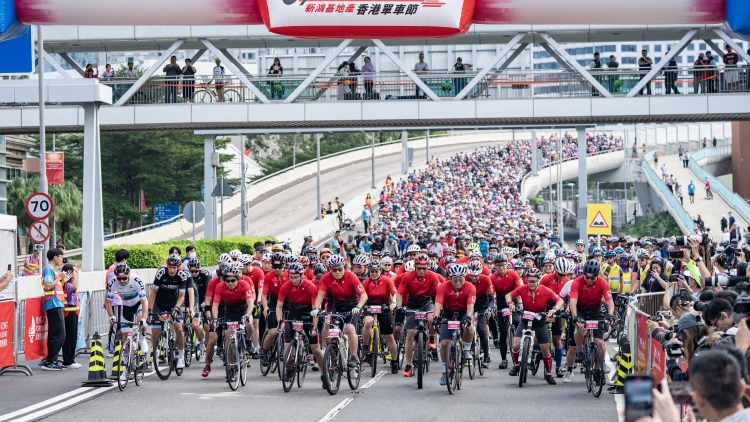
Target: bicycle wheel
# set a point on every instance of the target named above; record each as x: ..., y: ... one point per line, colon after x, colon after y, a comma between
x: 470, y: 363
x: 419, y: 364
x: 122, y: 367
x: 607, y: 331
x: 203, y: 96
x: 479, y: 357
x: 536, y: 358
x: 374, y: 350
x: 232, y: 364
x: 302, y: 364
x: 400, y: 349
x: 243, y: 370
x: 265, y: 369
x: 232, y: 96
x: 173, y: 348
x: 587, y: 371
x: 525, y: 349
x: 353, y: 375
x: 189, y: 345
x: 138, y: 366
x: 279, y: 353
x: 162, y: 359
x: 288, y: 366
x: 450, y: 369
x: 597, y: 369
x: 332, y: 369
x: 459, y: 365
x: 511, y: 333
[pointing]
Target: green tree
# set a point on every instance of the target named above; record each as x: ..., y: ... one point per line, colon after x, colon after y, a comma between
x: 660, y: 225
x: 68, y: 212
x: 18, y: 190
x: 138, y: 67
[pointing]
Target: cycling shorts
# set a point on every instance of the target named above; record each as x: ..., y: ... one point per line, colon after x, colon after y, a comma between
x: 235, y: 313
x: 593, y: 314
x: 271, y: 321
x: 307, y: 326
x: 128, y: 313
x: 542, y: 333
x: 412, y: 323
x: 445, y: 333
x: 385, y: 323
x: 160, y: 307
x: 557, y: 327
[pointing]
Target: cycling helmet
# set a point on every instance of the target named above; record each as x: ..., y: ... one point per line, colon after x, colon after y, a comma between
x: 500, y: 258
x: 549, y: 259
x: 361, y: 259
x: 642, y: 253
x: 579, y: 270
x: 303, y: 260
x: 222, y: 269
x: 450, y: 249
x: 386, y: 260
x: 473, y: 246
x: 193, y: 264
x: 336, y: 261
x: 409, y: 266
x: 449, y: 260
x: 291, y: 259
x: 277, y: 248
x: 525, y: 251
x: 277, y: 258
x: 518, y: 264
x: 580, y: 242
x: 597, y: 252
x: 173, y: 260
x: 564, y: 266
x: 233, y: 270
x: 507, y: 251
x: 266, y: 257
x: 398, y: 261
x: 225, y: 257
x: 558, y: 252
x: 609, y: 254
x: 295, y: 268
x: 310, y: 251
x: 421, y: 259
x: 592, y: 268
x: 375, y: 253
x: 474, y: 268
x: 413, y: 248
x: 528, y: 257
x: 385, y: 253
x: 619, y: 250
x: 122, y: 269
x: 246, y: 259
x: 458, y: 270
x: 433, y: 266
x: 533, y: 272
x: 375, y: 265
x: 235, y: 254
x: 432, y: 254
x: 319, y: 269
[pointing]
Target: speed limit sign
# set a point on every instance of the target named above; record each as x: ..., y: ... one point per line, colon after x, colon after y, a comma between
x: 39, y: 206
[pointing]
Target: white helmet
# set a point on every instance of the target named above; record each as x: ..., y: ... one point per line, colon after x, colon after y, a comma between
x: 409, y: 266
x: 413, y: 248
x: 564, y: 266
x: 235, y: 254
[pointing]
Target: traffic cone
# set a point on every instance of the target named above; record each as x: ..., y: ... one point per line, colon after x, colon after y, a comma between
x: 97, y: 371
x: 624, y: 366
x: 116, y: 359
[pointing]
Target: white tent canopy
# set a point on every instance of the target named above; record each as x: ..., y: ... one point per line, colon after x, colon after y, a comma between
x: 8, y: 255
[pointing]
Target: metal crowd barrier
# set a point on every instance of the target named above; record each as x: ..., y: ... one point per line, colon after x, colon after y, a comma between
x: 650, y: 303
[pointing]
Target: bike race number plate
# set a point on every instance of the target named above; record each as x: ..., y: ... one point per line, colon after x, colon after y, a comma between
x: 529, y: 315
x: 476, y: 318
x: 506, y: 312
x: 376, y: 309
x: 592, y: 325
x: 420, y: 315
x: 335, y: 333
x: 297, y: 326
x: 454, y: 325
x: 233, y: 325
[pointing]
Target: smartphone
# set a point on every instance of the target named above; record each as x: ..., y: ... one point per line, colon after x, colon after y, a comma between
x: 680, y: 392
x: 9, y: 267
x: 678, y: 254
x: 639, y: 400
x: 684, y: 296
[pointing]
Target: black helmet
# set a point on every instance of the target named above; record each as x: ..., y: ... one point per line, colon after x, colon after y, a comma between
x: 319, y: 269
x: 223, y: 268
x: 592, y: 268
x: 194, y: 263
x: 122, y: 269
x: 173, y: 260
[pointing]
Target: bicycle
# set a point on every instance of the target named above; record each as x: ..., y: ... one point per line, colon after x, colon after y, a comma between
x: 477, y: 355
x: 235, y: 358
x: 209, y: 95
x: 190, y: 340
x: 593, y: 362
x: 377, y: 345
x: 276, y: 354
x: 165, y: 347
x: 527, y: 340
x: 454, y: 360
x: 297, y: 357
x: 333, y: 361
x: 621, y: 305
x: 419, y: 359
x: 134, y: 367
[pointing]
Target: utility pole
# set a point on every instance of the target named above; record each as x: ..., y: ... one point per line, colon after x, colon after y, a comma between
x: 42, y: 135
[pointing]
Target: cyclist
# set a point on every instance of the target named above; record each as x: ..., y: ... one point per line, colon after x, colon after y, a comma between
x: 225, y: 258
x: 213, y: 335
x: 456, y: 297
x: 359, y: 266
x: 265, y: 265
x: 642, y: 268
x: 345, y: 293
x: 132, y: 293
x: 299, y: 297
x: 399, y: 317
x: 168, y: 294
x: 504, y: 281
x: 534, y: 299
x: 586, y: 295
x: 255, y: 277
x: 549, y: 265
x: 485, y: 299
x: 419, y: 286
x: 555, y: 282
x: 201, y: 278
x: 238, y: 297
x: 380, y: 292
x: 613, y: 273
x: 387, y: 263
x: 271, y: 285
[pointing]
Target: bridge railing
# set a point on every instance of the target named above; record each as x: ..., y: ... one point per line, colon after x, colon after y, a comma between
x: 675, y: 208
x: 735, y: 201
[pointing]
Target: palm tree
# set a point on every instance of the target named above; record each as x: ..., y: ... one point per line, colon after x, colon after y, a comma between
x: 68, y: 201
x: 18, y: 191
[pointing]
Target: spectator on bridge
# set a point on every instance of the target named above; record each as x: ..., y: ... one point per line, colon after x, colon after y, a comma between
x: 419, y: 68
x: 704, y: 142
x: 680, y: 151
x: 724, y: 234
x: 664, y: 172
x: 644, y: 65
x: 670, y: 183
x: 731, y: 219
x: 368, y: 74
x: 276, y: 70
x: 707, y: 185
x: 699, y: 223
x: 711, y: 74
x: 188, y: 81
x: 31, y: 264
x: 130, y: 73
x: 686, y: 160
x: 699, y: 79
x: 635, y: 150
x: 353, y: 74
x: 460, y: 67
x: 670, y: 76
x: 613, y: 65
x: 679, y: 194
x: 714, y: 142
x: 724, y: 222
x: 89, y: 72
x: 172, y: 72
x: 731, y: 76
x: 219, y: 80
x: 108, y: 72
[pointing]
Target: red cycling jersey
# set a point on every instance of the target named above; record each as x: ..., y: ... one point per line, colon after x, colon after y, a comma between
x: 506, y: 283
x: 550, y: 281
x: 456, y: 300
x: 379, y: 293
x: 536, y: 302
x: 272, y: 284
x: 344, y: 289
x: 257, y: 276
x: 211, y: 288
x: 419, y: 289
x: 590, y: 296
x: 483, y: 285
x: 300, y: 298
x: 309, y: 274
x: 234, y: 297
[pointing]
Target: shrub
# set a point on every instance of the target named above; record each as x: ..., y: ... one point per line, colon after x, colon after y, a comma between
x: 208, y: 251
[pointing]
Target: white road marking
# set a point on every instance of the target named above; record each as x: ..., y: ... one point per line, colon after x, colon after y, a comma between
x: 359, y: 177
x: 335, y: 410
x: 63, y: 405
x: 373, y: 381
x: 44, y: 403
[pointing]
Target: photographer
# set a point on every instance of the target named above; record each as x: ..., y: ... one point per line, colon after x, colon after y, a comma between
x: 656, y: 281
x: 693, y: 338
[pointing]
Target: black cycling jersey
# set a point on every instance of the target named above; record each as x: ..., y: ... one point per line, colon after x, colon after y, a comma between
x: 168, y: 287
x: 201, y: 283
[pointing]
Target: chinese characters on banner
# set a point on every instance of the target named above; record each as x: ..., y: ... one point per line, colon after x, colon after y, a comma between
x: 363, y: 9
x: 6, y: 333
x: 658, y: 362
x: 55, y: 164
x: 641, y: 337
x: 35, y: 336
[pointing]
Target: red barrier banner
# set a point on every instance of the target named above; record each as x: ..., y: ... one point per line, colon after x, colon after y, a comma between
x: 658, y: 362
x: 35, y: 337
x: 6, y: 333
x: 641, y: 337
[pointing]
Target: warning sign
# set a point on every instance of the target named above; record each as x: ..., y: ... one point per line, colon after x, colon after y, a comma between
x: 599, y: 219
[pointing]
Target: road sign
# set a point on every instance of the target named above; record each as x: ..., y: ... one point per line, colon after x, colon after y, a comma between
x: 21, y: 49
x: 163, y: 212
x: 39, y: 232
x: 194, y: 216
x: 599, y: 219
x: 39, y: 206
x: 227, y: 189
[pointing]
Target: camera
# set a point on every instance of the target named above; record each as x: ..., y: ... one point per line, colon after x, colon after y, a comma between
x: 730, y: 252
x: 678, y: 254
x: 700, y: 306
x: 681, y: 241
x: 673, y: 278
x: 673, y: 349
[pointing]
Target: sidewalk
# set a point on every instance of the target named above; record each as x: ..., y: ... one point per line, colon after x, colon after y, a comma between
x: 710, y: 211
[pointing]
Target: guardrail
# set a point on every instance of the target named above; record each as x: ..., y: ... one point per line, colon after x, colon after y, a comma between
x: 735, y: 201
x: 675, y: 208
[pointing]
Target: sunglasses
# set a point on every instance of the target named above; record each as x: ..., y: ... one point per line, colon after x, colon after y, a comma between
x: 420, y: 268
x: 277, y: 266
x: 337, y: 269
x: 122, y: 278
x: 230, y: 280
x: 195, y: 271
x: 590, y: 277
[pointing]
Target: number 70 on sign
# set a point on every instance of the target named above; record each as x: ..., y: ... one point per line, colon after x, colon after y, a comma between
x: 39, y: 206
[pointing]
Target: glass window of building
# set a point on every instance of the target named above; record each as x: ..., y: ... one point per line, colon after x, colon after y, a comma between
x: 628, y: 47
